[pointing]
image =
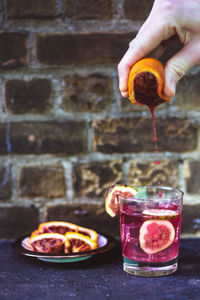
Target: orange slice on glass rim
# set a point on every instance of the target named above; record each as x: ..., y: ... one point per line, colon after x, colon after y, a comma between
x: 146, y: 80
x: 111, y: 200
x: 88, y: 232
x: 48, y: 243
x: 80, y: 242
x: 57, y: 227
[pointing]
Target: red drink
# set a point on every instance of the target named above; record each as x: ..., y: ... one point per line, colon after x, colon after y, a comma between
x: 150, y: 224
x: 131, y: 223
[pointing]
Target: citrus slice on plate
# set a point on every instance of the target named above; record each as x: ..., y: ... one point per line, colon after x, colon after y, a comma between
x: 35, y: 232
x: 111, y: 200
x: 80, y: 242
x: 88, y: 232
x: 146, y: 80
x: 57, y: 227
x: 160, y: 213
x: 47, y: 243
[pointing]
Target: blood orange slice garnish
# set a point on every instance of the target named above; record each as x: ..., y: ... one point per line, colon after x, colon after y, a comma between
x: 80, y: 242
x: 146, y: 83
x: 57, y: 227
x: 88, y: 232
x: 111, y: 201
x: 48, y: 243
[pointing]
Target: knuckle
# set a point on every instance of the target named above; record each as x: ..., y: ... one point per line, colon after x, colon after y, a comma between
x: 179, y: 68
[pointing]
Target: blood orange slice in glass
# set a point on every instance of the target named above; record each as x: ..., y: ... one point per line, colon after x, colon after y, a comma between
x: 111, y: 200
x: 48, y: 243
x: 156, y: 235
x: 57, y: 227
x: 80, y: 242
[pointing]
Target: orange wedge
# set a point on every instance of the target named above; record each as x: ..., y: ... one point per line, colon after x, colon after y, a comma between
x: 35, y: 232
x: 48, y: 243
x: 88, y: 232
x: 111, y: 200
x: 57, y: 227
x: 80, y: 242
x: 146, y: 80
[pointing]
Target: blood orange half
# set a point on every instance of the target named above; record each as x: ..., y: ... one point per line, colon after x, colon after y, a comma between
x: 146, y: 80
x: 48, y: 243
x: 111, y: 200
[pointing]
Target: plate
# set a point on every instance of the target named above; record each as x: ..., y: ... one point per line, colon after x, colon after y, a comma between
x: 105, y: 243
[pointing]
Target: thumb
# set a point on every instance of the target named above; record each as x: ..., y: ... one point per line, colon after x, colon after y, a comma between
x: 176, y: 67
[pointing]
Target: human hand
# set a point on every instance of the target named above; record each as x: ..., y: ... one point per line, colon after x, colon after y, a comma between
x: 168, y: 19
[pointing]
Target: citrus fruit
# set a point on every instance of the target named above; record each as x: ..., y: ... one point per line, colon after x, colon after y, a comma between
x: 88, y: 232
x: 145, y: 85
x: 47, y: 243
x: 57, y: 227
x: 156, y: 235
x: 34, y: 233
x: 67, y: 246
x: 158, y: 213
x: 80, y: 242
x: 111, y: 200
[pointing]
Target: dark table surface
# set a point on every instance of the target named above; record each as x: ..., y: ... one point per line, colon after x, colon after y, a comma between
x: 100, y: 277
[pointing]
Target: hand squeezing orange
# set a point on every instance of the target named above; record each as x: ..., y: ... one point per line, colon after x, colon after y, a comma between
x: 146, y: 80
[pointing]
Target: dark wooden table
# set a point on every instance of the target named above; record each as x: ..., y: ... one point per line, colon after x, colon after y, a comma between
x: 100, y: 277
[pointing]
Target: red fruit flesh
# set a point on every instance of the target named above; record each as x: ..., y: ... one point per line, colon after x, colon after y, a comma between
x: 156, y: 235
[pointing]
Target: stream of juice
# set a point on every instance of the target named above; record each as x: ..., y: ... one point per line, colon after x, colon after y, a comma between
x: 157, y: 162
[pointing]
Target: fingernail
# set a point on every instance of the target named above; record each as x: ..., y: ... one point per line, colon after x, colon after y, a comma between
x: 124, y: 94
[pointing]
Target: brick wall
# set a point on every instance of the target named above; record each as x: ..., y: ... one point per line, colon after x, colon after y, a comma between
x: 66, y: 135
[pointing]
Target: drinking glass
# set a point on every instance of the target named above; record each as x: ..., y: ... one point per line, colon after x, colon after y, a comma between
x: 150, y: 225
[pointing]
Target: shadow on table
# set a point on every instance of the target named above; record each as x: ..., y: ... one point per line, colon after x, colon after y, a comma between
x: 189, y: 257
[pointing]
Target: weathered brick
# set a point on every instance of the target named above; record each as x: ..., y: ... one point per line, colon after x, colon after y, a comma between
x: 91, y: 93
x: 82, y: 48
x: 56, y: 137
x: 188, y: 91
x: 126, y: 135
x: 17, y: 221
x: 85, y: 10
x: 137, y: 10
x: 147, y: 173
x: 13, y: 50
x: 191, y: 219
x: 92, y: 180
x: 27, y: 96
x: 88, y: 215
x: 192, y: 175
x: 23, y: 9
x: 5, y: 183
x: 42, y: 181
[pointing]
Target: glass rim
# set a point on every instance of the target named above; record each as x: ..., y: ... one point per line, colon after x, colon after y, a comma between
x: 179, y: 192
